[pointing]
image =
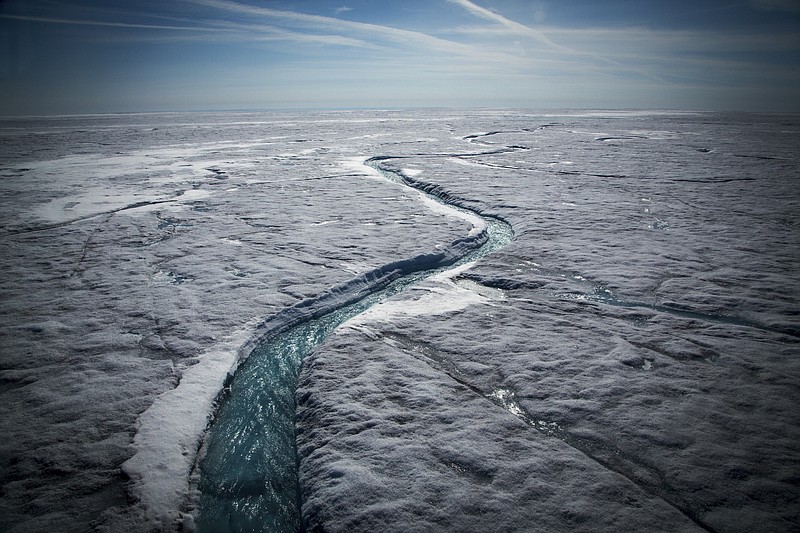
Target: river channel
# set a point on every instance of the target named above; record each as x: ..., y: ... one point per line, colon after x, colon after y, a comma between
x: 248, y: 464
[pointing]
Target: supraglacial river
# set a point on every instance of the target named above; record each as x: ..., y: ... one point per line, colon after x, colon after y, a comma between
x: 248, y: 466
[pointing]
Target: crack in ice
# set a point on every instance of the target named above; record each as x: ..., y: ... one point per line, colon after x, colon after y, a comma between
x: 610, y: 458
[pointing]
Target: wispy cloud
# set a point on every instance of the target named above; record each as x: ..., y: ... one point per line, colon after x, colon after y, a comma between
x: 266, y: 32
x: 111, y: 24
x: 319, y: 53
x: 377, y: 33
x: 511, y: 25
x: 199, y: 31
x: 567, y: 52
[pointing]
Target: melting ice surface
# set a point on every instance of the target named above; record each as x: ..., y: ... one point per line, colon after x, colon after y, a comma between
x: 248, y: 471
x: 666, y: 355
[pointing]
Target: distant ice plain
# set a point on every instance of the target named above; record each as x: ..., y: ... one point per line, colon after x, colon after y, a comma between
x: 630, y: 361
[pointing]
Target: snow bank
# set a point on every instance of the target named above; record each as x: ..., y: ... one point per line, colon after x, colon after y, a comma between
x: 169, y: 433
x: 438, y: 295
x: 424, y: 193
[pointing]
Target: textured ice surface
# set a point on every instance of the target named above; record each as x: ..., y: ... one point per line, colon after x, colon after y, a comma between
x: 628, y: 363
x: 246, y: 472
x: 140, y: 252
x: 638, y: 369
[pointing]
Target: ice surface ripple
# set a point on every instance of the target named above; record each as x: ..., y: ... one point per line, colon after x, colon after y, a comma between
x: 247, y: 471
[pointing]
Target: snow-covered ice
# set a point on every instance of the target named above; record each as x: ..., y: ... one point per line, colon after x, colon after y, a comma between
x: 628, y: 362
x: 107, y: 308
x: 640, y: 372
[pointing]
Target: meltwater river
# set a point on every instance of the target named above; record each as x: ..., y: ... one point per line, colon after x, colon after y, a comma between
x: 248, y: 469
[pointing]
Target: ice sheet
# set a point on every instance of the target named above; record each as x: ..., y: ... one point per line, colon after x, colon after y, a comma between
x: 645, y: 348
x: 123, y: 313
x: 628, y: 363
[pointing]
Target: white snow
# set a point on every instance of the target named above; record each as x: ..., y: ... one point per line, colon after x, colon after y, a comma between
x: 167, y: 432
x: 412, y: 171
x: 438, y: 295
x: 477, y: 223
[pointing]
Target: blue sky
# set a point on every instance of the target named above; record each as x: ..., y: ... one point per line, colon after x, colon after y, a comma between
x: 83, y: 56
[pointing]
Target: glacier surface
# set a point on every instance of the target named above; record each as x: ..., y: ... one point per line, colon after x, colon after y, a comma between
x: 629, y: 361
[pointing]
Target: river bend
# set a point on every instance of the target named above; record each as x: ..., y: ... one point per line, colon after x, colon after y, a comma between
x: 247, y: 469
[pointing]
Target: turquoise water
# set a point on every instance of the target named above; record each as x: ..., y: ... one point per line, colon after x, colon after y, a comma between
x: 248, y: 474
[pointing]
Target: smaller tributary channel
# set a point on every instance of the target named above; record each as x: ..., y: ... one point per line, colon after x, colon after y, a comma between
x: 247, y: 469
